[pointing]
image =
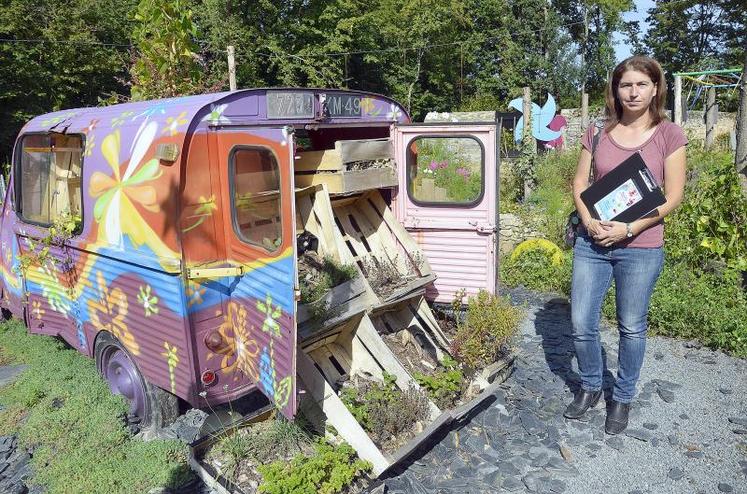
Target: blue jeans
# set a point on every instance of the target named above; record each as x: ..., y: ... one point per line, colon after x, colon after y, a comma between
x: 635, y: 271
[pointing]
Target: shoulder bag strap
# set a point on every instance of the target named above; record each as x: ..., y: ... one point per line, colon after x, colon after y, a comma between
x: 598, y: 125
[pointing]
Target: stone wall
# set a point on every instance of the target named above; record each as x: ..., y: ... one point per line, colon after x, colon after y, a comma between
x: 513, y: 232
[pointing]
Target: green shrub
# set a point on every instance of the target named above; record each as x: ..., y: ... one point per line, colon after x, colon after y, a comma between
x: 536, y: 269
x: 75, y: 424
x: 711, y: 224
x: 489, y: 324
x: 328, y: 471
x: 547, y: 207
x: 687, y: 304
x: 384, y: 410
x: 445, y: 385
x: 331, y: 275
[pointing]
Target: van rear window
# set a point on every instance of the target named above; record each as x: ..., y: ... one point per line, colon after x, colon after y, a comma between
x: 50, y: 177
x: 256, y: 197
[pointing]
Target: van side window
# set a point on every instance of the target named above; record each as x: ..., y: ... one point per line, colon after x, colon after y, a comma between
x: 50, y: 174
x: 445, y: 170
x: 255, y: 178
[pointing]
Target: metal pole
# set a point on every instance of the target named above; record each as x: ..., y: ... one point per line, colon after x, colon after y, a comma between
x: 678, y: 100
x: 711, y: 117
x: 231, y: 69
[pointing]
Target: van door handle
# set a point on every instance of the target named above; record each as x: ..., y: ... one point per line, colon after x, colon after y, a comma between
x: 202, y: 273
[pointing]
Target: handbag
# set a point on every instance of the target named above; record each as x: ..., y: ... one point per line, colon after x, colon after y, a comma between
x: 573, y: 223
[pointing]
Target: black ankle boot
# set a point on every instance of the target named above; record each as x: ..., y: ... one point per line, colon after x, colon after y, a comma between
x: 582, y: 402
x: 617, y: 418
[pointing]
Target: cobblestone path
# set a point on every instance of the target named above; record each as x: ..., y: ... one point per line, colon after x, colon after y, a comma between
x: 687, y: 434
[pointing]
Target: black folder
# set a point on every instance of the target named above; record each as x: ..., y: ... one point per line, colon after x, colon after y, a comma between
x: 626, y: 193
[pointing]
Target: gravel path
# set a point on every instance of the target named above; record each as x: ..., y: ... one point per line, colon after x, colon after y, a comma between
x: 687, y: 433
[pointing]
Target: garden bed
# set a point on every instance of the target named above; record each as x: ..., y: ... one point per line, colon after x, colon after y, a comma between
x: 267, y: 453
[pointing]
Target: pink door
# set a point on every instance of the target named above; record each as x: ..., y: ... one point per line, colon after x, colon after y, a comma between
x: 448, y: 200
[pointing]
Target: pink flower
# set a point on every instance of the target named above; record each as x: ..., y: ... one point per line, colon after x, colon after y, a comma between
x: 434, y: 166
x: 463, y: 172
x: 443, y: 164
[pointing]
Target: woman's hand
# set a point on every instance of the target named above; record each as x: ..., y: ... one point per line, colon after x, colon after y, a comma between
x: 610, y: 233
x: 594, y: 227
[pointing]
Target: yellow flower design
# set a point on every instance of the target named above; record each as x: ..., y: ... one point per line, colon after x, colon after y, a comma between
x: 172, y: 360
x: 204, y: 210
x: 117, y: 195
x: 173, y: 124
x: 242, y: 351
x: 195, y: 291
x: 109, y: 313
x: 37, y: 309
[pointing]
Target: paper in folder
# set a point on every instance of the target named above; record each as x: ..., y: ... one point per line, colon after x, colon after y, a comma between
x: 626, y: 193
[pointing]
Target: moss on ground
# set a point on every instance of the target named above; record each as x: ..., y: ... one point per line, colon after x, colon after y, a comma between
x: 62, y: 408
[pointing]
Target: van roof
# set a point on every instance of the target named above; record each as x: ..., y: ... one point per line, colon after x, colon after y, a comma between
x: 246, y: 106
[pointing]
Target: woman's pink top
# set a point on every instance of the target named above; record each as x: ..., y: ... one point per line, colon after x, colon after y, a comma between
x: 666, y: 139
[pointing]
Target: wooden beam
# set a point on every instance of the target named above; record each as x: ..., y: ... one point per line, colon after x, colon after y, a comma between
x: 678, y: 100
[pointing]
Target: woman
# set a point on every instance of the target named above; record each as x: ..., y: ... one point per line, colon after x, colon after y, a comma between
x: 631, y: 253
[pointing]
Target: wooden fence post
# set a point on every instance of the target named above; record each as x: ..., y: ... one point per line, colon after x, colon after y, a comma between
x: 584, y: 111
x: 231, y: 69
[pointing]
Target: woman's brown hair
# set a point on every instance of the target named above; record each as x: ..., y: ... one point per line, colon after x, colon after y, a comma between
x: 652, y: 69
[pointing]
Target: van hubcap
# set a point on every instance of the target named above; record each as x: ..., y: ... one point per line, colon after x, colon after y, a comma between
x: 124, y: 380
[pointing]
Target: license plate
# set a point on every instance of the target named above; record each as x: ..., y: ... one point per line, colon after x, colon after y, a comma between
x: 343, y: 105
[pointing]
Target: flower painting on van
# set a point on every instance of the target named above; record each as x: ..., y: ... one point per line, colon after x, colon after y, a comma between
x: 108, y: 313
x: 120, y: 195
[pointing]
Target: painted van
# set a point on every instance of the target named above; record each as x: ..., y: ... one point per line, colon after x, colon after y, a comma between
x: 180, y: 274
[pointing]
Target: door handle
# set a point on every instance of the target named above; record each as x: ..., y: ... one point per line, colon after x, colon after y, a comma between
x: 202, y: 273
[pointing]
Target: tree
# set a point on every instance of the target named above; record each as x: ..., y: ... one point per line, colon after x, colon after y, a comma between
x: 79, y: 54
x: 166, y: 62
x: 591, y: 24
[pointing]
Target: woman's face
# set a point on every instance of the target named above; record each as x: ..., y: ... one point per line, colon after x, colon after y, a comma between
x: 635, y: 91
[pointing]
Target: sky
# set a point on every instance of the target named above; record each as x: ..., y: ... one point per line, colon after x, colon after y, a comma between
x: 622, y: 49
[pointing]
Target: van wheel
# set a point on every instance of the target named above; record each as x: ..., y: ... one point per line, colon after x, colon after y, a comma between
x: 150, y: 406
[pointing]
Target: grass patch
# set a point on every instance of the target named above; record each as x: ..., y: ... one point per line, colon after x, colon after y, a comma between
x: 64, y: 410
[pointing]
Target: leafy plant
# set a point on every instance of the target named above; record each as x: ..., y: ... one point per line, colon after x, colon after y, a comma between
x: 445, y: 385
x: 538, y: 268
x: 63, y: 227
x: 489, y: 324
x: 383, y: 409
x: 331, y: 274
x: 328, y: 471
x: 710, y: 226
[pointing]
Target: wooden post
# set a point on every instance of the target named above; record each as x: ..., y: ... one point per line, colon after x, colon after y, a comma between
x: 584, y: 111
x: 231, y: 69
x: 711, y: 117
x: 527, y: 111
x: 678, y: 100
x: 740, y: 156
x: 528, y: 139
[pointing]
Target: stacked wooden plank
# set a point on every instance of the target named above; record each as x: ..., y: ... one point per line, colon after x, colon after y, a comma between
x: 352, y: 166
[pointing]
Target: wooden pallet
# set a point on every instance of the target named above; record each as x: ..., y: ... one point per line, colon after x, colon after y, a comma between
x: 329, y: 167
x: 350, y: 181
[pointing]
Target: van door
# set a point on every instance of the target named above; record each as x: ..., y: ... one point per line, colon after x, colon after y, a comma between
x: 447, y: 200
x: 258, y: 196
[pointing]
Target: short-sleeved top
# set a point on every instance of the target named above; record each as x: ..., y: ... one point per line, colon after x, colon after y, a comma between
x: 666, y: 139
